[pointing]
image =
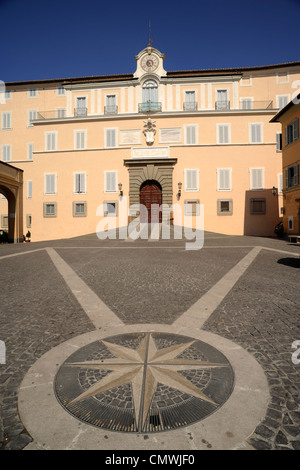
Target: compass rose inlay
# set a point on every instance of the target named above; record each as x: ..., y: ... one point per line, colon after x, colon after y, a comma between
x: 144, y: 382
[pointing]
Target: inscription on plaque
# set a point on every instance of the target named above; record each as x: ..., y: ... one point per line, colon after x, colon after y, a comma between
x: 153, y: 152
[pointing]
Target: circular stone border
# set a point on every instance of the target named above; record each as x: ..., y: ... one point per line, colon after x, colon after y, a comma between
x: 144, y: 382
x: 53, y: 428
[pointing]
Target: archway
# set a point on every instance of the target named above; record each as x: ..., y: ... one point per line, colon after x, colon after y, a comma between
x: 151, y: 201
x: 11, y: 186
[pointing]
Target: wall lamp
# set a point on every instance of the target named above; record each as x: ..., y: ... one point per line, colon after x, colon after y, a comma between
x: 120, y: 189
x: 274, y: 191
x: 179, y: 190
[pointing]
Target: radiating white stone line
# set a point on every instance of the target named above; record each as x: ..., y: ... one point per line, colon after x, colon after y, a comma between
x: 21, y: 253
x: 97, y: 311
x: 201, y: 310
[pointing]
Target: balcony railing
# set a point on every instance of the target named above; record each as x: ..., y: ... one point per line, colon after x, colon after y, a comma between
x: 149, y: 106
x: 247, y: 104
x: 221, y: 105
x: 78, y: 112
x: 190, y: 106
x: 113, y: 109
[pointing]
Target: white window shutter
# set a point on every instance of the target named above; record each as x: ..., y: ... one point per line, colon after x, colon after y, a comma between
x: 191, y: 182
x: 224, y: 183
x: 226, y: 135
x: 190, y: 135
x: 83, y: 182
x: 110, y: 138
x: 221, y: 134
x: 295, y: 129
x: 50, y: 184
x: 78, y: 140
x: 29, y: 189
x: 257, y: 178
x: 111, y: 181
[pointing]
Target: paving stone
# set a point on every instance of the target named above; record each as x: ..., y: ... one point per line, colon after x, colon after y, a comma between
x: 261, y: 312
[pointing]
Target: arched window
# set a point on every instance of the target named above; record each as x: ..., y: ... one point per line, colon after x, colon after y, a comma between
x: 150, y: 92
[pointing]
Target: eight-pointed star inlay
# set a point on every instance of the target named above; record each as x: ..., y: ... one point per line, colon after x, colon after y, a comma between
x: 145, y: 367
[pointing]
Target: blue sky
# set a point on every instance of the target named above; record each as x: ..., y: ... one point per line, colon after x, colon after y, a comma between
x: 44, y: 39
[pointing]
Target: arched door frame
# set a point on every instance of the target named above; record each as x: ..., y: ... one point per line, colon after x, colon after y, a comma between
x: 11, y: 185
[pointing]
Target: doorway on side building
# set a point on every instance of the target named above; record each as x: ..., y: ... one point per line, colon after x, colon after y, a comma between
x: 150, y: 202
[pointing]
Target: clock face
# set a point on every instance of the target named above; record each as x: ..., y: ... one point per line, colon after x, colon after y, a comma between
x: 149, y: 63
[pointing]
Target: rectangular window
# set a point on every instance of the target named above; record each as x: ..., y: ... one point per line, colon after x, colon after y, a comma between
x: 60, y: 90
x: 32, y: 116
x: 110, y: 208
x: 191, y: 179
x: 110, y: 138
x: 246, y: 103
x: 257, y: 178
x: 28, y: 220
x: 6, y: 153
x: 222, y: 100
x: 50, y: 141
x: 190, y: 101
x: 224, y: 206
x: 278, y: 141
x: 223, y: 134
x: 224, y: 179
x: 292, y: 131
x: 7, y: 94
x: 79, y: 209
x: 50, y: 209
x: 80, y: 183
x: 4, y: 221
x: 282, y: 101
x: 191, y: 135
x: 81, y: 109
x: 292, y: 176
x: 110, y: 181
x: 6, y: 121
x: 282, y: 77
x: 111, y: 104
x: 60, y: 113
x: 29, y: 151
x: 246, y: 81
x: 29, y: 189
x: 257, y: 206
x: 32, y: 93
x: 290, y: 222
x: 50, y: 183
x: 80, y: 139
x: 192, y: 207
x: 255, y: 131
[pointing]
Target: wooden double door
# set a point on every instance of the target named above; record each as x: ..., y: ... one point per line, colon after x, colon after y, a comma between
x: 150, y: 202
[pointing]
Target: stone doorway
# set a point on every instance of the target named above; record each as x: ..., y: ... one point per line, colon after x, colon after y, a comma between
x: 159, y: 171
x: 150, y: 202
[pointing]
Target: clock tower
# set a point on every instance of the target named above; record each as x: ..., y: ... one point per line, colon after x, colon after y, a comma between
x: 149, y: 61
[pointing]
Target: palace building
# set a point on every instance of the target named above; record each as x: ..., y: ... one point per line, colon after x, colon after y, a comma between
x: 149, y: 137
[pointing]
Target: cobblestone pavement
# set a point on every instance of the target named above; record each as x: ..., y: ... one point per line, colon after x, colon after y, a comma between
x: 156, y: 282
x: 262, y: 314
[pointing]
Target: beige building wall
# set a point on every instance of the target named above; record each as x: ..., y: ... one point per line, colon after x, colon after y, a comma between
x: 252, y: 96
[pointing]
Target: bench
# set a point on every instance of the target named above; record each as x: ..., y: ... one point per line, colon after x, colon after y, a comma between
x: 294, y: 238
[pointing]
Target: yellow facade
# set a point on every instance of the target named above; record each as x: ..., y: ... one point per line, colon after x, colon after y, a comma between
x: 289, y: 118
x: 77, y: 139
